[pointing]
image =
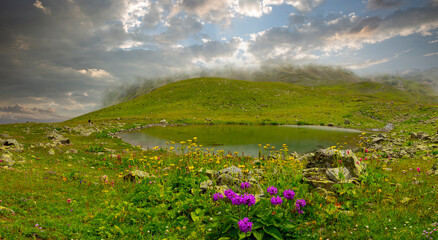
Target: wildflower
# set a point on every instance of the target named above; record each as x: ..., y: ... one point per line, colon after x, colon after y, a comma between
x: 299, y: 204
x: 276, y: 200
x: 230, y: 194
x: 238, y: 200
x: 249, y: 199
x: 289, y: 194
x: 272, y: 190
x: 217, y: 196
x: 245, y: 225
x: 245, y: 185
x: 69, y: 200
x: 418, y: 169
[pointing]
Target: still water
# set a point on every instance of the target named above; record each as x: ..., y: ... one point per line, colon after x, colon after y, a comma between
x: 245, y: 139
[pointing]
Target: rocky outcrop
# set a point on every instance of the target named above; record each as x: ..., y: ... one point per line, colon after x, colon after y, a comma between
x: 58, y: 138
x: 6, y: 160
x: 434, y: 169
x: 331, y: 166
x: 12, y: 145
x: 232, y: 178
x: 137, y: 174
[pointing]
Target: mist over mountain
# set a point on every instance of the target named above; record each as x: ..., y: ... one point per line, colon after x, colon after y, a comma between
x: 416, y: 81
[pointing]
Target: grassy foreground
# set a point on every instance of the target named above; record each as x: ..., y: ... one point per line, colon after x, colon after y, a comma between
x: 77, y: 190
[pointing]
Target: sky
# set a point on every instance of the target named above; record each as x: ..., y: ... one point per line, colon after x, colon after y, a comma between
x: 57, y: 57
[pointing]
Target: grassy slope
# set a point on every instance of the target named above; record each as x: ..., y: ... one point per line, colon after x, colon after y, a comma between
x: 232, y: 101
x: 37, y: 189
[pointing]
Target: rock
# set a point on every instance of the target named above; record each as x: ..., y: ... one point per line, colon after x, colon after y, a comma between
x: 231, y: 178
x: 434, y: 169
x: 5, y: 209
x: 327, y: 165
x: 330, y: 124
x: 13, y: 145
x: 137, y: 174
x: 51, y: 152
x: 73, y: 151
x: 377, y: 140
x: 381, y: 135
x: 347, y: 122
x: 6, y: 160
x: 58, y: 138
x: 434, y: 225
x: 163, y: 121
x: 421, y: 136
x: 388, y: 127
x: 339, y: 174
x: 434, y: 139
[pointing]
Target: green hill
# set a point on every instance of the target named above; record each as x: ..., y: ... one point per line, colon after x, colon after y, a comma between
x: 220, y: 100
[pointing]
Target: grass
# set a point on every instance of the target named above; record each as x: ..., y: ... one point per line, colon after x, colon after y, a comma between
x: 80, y: 193
x: 217, y: 100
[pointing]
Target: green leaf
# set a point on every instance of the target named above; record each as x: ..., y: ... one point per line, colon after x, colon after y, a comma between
x: 224, y: 238
x: 273, y: 231
x: 258, y: 235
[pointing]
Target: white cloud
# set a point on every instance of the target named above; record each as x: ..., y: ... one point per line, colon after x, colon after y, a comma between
x: 39, y: 4
x: 95, y: 73
x: 133, y: 13
x: 304, y: 5
x: 369, y: 63
x: 431, y: 54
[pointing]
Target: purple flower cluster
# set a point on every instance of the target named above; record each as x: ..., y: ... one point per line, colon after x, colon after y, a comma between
x: 245, y: 185
x: 217, y: 196
x: 236, y: 199
x: 276, y: 200
x: 289, y: 194
x: 245, y: 225
x: 299, y: 204
x: 230, y: 194
x: 272, y: 190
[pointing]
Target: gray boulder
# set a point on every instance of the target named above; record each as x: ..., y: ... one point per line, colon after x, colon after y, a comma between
x: 58, y: 138
x: 434, y: 169
x: 330, y: 166
x: 231, y: 178
x: 6, y: 160
x: 13, y: 145
x: 137, y: 174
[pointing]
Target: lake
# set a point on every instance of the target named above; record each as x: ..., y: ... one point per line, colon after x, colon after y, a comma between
x: 245, y: 139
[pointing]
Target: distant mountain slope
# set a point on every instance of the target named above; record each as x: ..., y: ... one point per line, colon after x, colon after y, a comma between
x: 234, y: 101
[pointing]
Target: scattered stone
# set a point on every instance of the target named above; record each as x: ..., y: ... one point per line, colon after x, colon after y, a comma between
x: 6, y: 160
x: 58, y: 138
x: 388, y: 127
x: 347, y: 122
x: 377, y: 140
x: 434, y: 169
x: 330, y: 124
x: 51, y: 152
x: 73, y: 151
x: 137, y: 174
x: 163, y: 121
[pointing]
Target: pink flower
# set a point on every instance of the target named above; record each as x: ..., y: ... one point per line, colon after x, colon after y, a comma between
x: 418, y: 169
x: 360, y: 159
x: 366, y: 150
x: 69, y: 200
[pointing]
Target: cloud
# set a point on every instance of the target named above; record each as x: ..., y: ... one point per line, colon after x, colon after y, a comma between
x: 95, y: 73
x: 369, y: 63
x: 39, y: 4
x: 179, y: 28
x: 375, y: 4
x: 21, y: 113
x: 431, y: 54
x: 334, y: 33
x: 304, y: 5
